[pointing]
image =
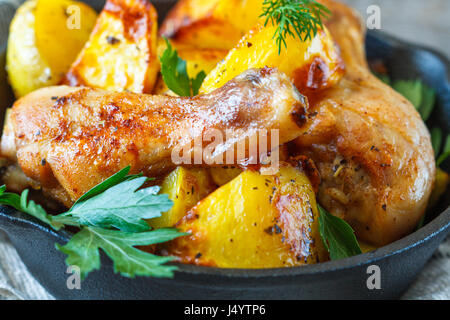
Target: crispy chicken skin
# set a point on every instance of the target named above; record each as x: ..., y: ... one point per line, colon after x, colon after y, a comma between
x: 70, y: 139
x: 370, y: 145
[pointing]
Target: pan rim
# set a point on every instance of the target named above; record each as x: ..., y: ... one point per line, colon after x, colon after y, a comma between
x: 440, y: 224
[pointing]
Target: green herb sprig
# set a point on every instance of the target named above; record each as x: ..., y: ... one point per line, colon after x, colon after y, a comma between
x: 112, y: 218
x: 175, y: 75
x: 421, y: 96
x: 423, y: 99
x: 337, y: 236
x: 21, y: 203
x: 301, y: 18
x: 83, y: 251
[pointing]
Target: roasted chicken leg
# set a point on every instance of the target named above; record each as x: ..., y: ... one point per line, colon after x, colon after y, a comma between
x: 67, y: 140
x: 370, y: 145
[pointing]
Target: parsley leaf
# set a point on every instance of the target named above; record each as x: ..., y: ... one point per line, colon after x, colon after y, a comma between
x: 175, y: 76
x: 197, y: 82
x: 83, y: 251
x: 111, y: 217
x: 411, y: 90
x: 20, y: 203
x: 337, y: 236
x: 121, y: 207
x: 420, y: 95
x: 117, y: 178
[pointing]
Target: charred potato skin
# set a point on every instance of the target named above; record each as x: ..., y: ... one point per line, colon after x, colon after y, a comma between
x: 121, y: 52
x: 254, y: 221
x: 185, y: 13
x: 185, y: 187
x: 312, y: 65
x: 206, y: 34
x: 211, y: 24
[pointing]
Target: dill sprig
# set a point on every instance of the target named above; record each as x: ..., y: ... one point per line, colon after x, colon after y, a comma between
x: 294, y: 17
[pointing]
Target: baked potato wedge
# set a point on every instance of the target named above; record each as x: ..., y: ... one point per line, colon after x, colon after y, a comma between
x: 255, y: 221
x: 45, y: 38
x: 312, y: 64
x: 185, y: 187
x: 211, y: 24
x: 197, y: 60
x: 121, y: 52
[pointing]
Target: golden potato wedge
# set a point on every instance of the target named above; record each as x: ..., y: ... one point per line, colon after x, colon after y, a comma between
x: 255, y: 221
x: 312, y: 64
x: 45, y: 38
x: 197, y: 60
x: 211, y: 24
x: 185, y: 187
x: 52, y: 17
x: 121, y: 52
